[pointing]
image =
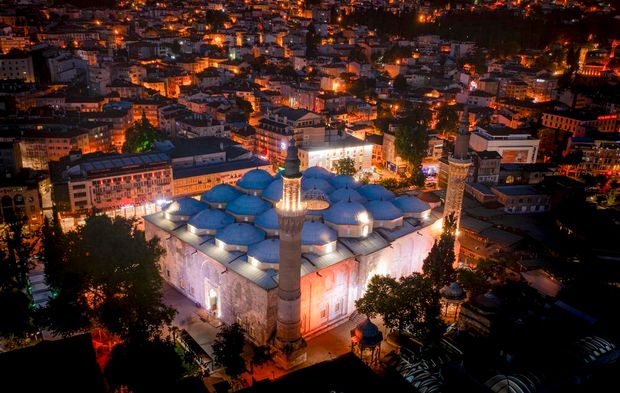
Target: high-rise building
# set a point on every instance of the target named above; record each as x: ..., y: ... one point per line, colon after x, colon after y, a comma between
x: 459, y: 163
x: 291, y: 212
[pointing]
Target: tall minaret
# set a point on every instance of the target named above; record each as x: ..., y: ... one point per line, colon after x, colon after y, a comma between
x: 459, y: 163
x: 290, y: 346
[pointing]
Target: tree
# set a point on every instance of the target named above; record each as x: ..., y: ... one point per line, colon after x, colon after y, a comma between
x: 345, y: 166
x: 311, y: 42
x: 438, y: 266
x: 17, y: 321
x: 400, y: 83
x: 447, y: 119
x: 228, y: 348
x: 411, y: 145
x: 145, y: 366
x: 141, y: 136
x: 409, y: 304
x: 109, y: 277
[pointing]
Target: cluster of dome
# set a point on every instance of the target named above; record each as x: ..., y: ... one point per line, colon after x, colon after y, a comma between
x: 244, y: 218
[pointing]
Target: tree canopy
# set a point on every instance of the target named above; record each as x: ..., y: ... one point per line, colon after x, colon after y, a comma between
x: 438, y: 266
x: 345, y: 166
x: 108, y: 276
x: 228, y: 349
x: 411, y: 145
x: 141, y: 137
x: 447, y: 119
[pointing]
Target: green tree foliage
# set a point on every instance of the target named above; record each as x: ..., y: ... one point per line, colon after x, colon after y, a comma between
x: 145, y: 366
x: 447, y: 119
x: 245, y: 107
x: 400, y: 83
x: 141, y: 137
x: 228, y: 349
x: 411, y: 145
x: 109, y: 277
x: 312, y: 41
x: 438, y: 266
x: 17, y: 320
x: 487, y: 274
x: 345, y: 166
x: 362, y: 87
x: 409, y: 304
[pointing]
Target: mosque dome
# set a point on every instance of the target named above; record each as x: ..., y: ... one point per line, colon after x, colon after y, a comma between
x: 256, y: 179
x: 452, y: 292
x: 317, y: 233
x: 346, y: 193
x: 412, y: 206
x: 367, y: 333
x: 240, y: 234
x: 278, y: 175
x: 265, y: 252
x: 183, y: 208
x: 375, y: 192
x: 340, y: 181
x: 315, y: 199
x: 318, y: 173
x: 273, y: 192
x: 209, y: 221
x: 321, y: 184
x: 220, y: 194
x: 347, y: 213
x: 383, y: 210
x: 268, y: 220
x: 247, y: 205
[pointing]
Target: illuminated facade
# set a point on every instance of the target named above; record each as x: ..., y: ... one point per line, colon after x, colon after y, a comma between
x: 232, y: 250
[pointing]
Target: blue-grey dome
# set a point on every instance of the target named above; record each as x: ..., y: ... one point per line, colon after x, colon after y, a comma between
x: 211, y: 219
x: 317, y: 233
x: 318, y: 173
x: 315, y: 199
x: 340, y: 181
x: 278, y: 175
x: 222, y: 193
x: 383, y: 210
x: 256, y: 179
x: 374, y: 192
x: 241, y: 234
x: 268, y: 219
x: 273, y: 192
x: 183, y: 208
x: 266, y: 251
x: 308, y: 183
x: 411, y: 204
x: 346, y: 193
x: 347, y: 213
x: 249, y: 205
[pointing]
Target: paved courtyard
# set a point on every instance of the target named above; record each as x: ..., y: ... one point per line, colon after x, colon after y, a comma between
x: 322, y: 347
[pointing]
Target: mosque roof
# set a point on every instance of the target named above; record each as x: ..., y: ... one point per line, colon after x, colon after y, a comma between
x: 184, y: 207
x: 222, y: 193
x: 317, y: 233
x: 375, y: 191
x: 273, y: 191
x: 241, y: 234
x: 256, y: 179
x: 317, y: 172
x: 411, y: 204
x: 315, y: 199
x: 266, y: 251
x: 308, y: 183
x: 268, y: 219
x: 248, y: 205
x: 347, y: 213
x: 383, y: 210
x: 346, y: 193
x: 211, y: 219
x: 340, y: 181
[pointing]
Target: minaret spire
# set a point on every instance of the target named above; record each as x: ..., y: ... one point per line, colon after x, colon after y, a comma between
x: 289, y: 344
x: 458, y: 169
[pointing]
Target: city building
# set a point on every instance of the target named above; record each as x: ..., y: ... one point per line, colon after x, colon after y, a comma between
x: 514, y: 145
x: 327, y: 154
x: 17, y: 65
x: 223, y: 252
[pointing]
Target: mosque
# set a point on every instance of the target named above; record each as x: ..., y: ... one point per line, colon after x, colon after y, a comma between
x: 223, y: 250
